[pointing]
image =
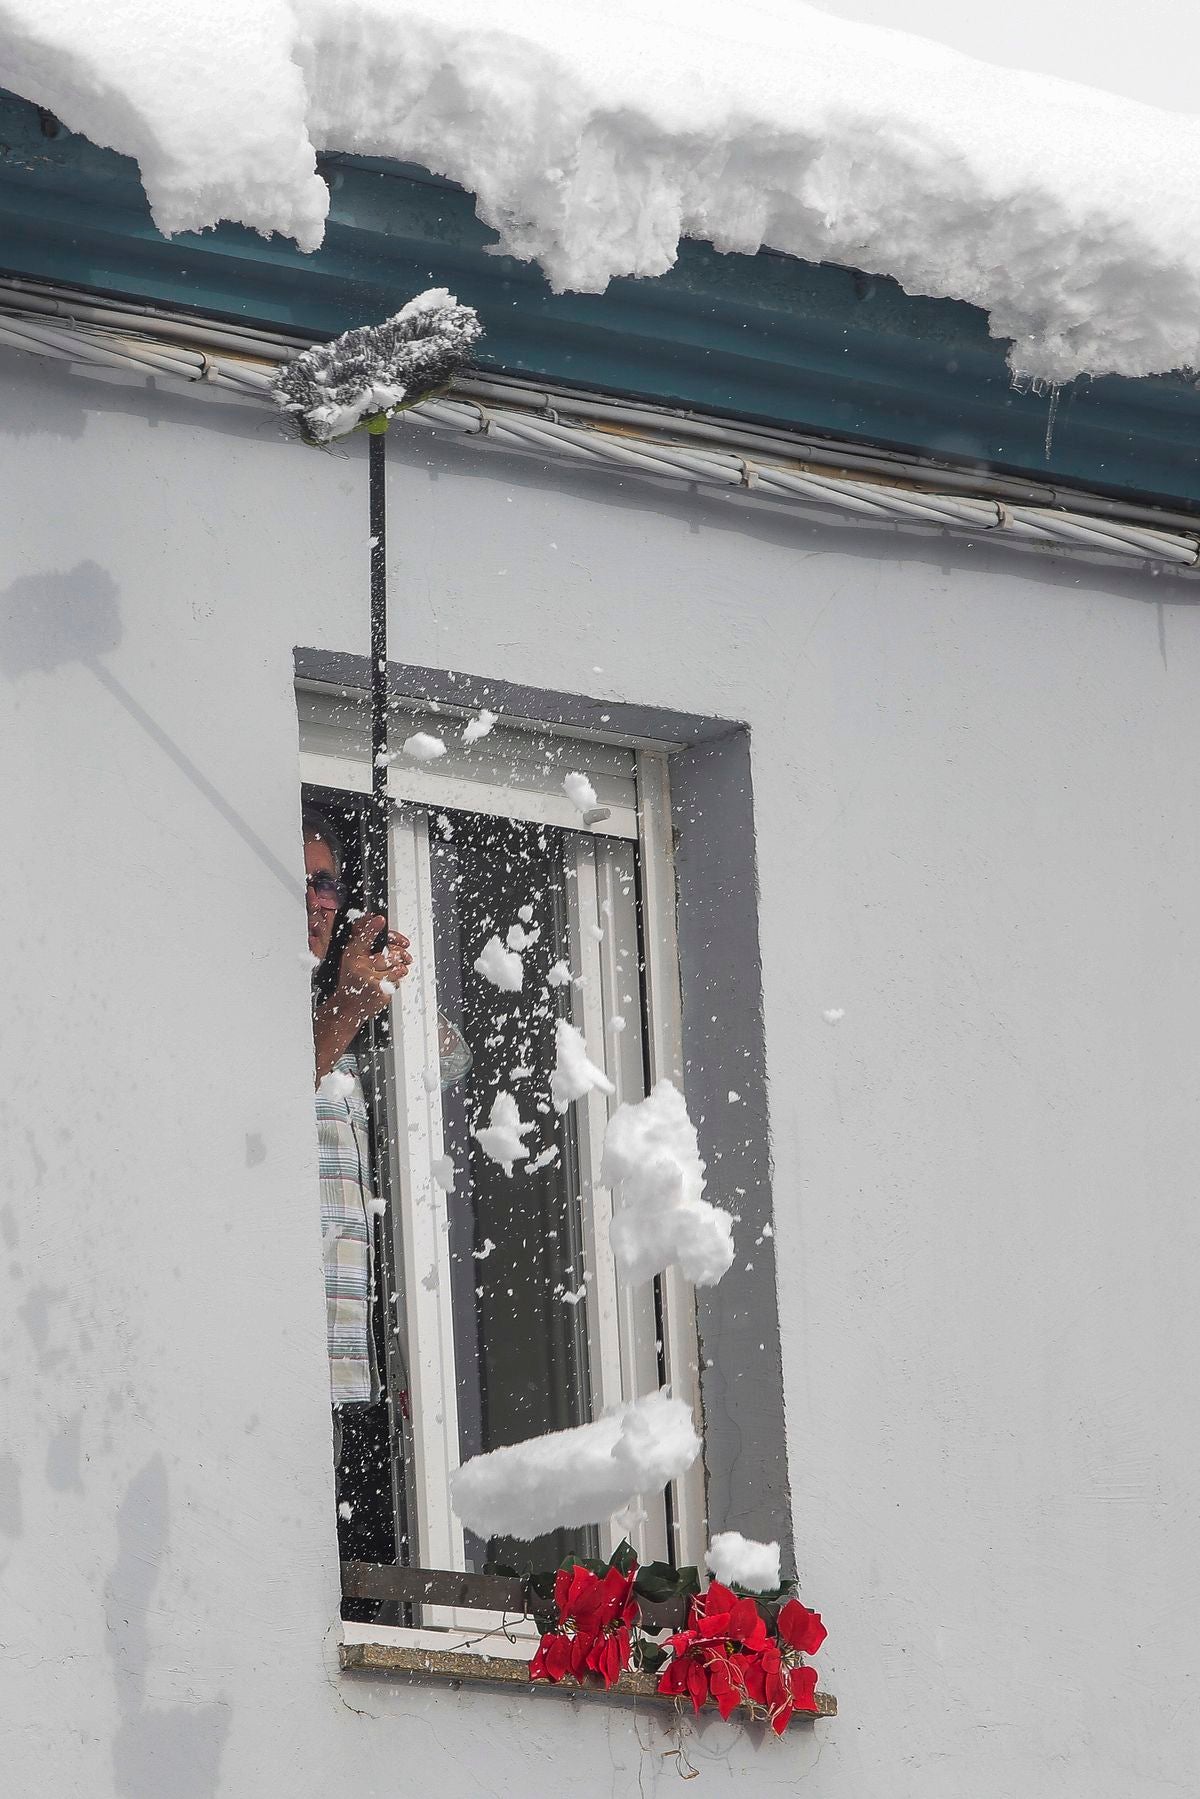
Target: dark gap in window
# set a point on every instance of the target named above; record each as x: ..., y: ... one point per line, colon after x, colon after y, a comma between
x: 370, y: 1470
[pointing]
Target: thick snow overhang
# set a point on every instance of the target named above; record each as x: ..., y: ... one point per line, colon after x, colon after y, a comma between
x: 808, y: 346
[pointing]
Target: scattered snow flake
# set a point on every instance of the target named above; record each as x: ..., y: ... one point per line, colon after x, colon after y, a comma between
x: 596, y: 932
x: 377, y: 1207
x: 544, y: 1160
x: 442, y: 1170
x: 500, y: 1137
x: 574, y: 1073
x: 616, y: 1023
x: 579, y: 1476
x: 739, y: 1561
x: 310, y: 961
x: 559, y: 975
x: 345, y: 1509
x: 652, y: 1163
x: 479, y: 726
x: 387, y: 988
x: 573, y: 1298
x: 481, y: 1255
x: 580, y: 792
x: 354, y: 913
x: 735, y: 1099
x: 833, y: 1014
x: 525, y: 914
x: 431, y: 1079
x: 502, y: 967
x: 422, y: 746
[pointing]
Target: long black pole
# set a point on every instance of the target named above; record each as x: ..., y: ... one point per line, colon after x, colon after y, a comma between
x: 377, y: 823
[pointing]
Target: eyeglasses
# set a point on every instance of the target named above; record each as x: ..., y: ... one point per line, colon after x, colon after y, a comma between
x: 325, y: 888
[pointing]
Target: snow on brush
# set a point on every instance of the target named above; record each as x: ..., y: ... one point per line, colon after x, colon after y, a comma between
x: 595, y: 136
x: 652, y: 1163
x: 579, y: 1476
x: 741, y: 1562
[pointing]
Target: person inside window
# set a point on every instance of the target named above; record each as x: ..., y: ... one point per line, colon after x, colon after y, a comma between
x: 359, y: 994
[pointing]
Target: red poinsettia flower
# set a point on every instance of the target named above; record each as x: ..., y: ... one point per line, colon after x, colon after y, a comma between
x: 685, y: 1675
x: 594, y: 1615
x: 553, y: 1659
x: 728, y: 1654
x: 800, y: 1628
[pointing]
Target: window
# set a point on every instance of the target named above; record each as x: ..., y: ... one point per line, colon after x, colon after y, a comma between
x: 498, y: 1314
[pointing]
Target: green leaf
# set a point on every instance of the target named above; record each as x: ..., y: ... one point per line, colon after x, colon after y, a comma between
x: 623, y: 1557
x: 658, y: 1581
x: 650, y: 1656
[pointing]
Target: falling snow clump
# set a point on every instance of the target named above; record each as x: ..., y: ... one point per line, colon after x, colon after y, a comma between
x: 375, y: 370
x: 580, y: 1476
x: 660, y: 1217
x: 500, y: 1138
x: 502, y: 967
x: 422, y: 746
x: 580, y: 792
x: 575, y: 1074
x: 739, y: 1561
x: 478, y: 727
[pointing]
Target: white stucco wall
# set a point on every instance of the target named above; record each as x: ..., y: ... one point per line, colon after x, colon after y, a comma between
x: 978, y: 832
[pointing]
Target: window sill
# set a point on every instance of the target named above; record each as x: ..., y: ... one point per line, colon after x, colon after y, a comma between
x: 458, y: 1669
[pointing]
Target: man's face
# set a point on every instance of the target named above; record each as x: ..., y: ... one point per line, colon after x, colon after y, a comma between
x: 320, y: 894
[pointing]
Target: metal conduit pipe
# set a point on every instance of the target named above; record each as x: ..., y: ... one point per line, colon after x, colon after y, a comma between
x: 513, y: 391
x: 613, y: 434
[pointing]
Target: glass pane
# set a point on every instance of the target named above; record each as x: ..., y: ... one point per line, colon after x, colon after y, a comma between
x: 515, y: 1242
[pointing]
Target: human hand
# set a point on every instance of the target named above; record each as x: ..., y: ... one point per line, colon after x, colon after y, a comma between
x: 368, y: 976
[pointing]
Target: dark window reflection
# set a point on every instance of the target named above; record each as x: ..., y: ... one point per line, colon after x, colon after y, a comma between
x: 515, y: 1243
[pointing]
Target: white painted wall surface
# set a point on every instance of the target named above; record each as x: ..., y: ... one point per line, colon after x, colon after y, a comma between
x: 978, y: 805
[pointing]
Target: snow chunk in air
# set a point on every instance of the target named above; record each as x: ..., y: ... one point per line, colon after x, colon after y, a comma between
x: 575, y: 1075
x: 422, y: 746
x: 579, y: 1476
x: 652, y: 1163
x: 741, y: 1562
x: 502, y: 967
x: 580, y: 792
x: 500, y: 1138
x: 478, y: 727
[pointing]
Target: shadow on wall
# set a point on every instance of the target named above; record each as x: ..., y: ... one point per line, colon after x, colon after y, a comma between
x: 49, y: 620
x: 159, y: 1751
x: 52, y: 620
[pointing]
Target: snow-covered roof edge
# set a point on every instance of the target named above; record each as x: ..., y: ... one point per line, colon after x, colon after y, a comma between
x: 595, y: 141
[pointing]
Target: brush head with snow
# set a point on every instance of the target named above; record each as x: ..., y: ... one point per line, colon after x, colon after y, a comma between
x: 374, y: 370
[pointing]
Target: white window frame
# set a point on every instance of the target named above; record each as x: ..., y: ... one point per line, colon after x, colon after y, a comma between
x: 632, y: 820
